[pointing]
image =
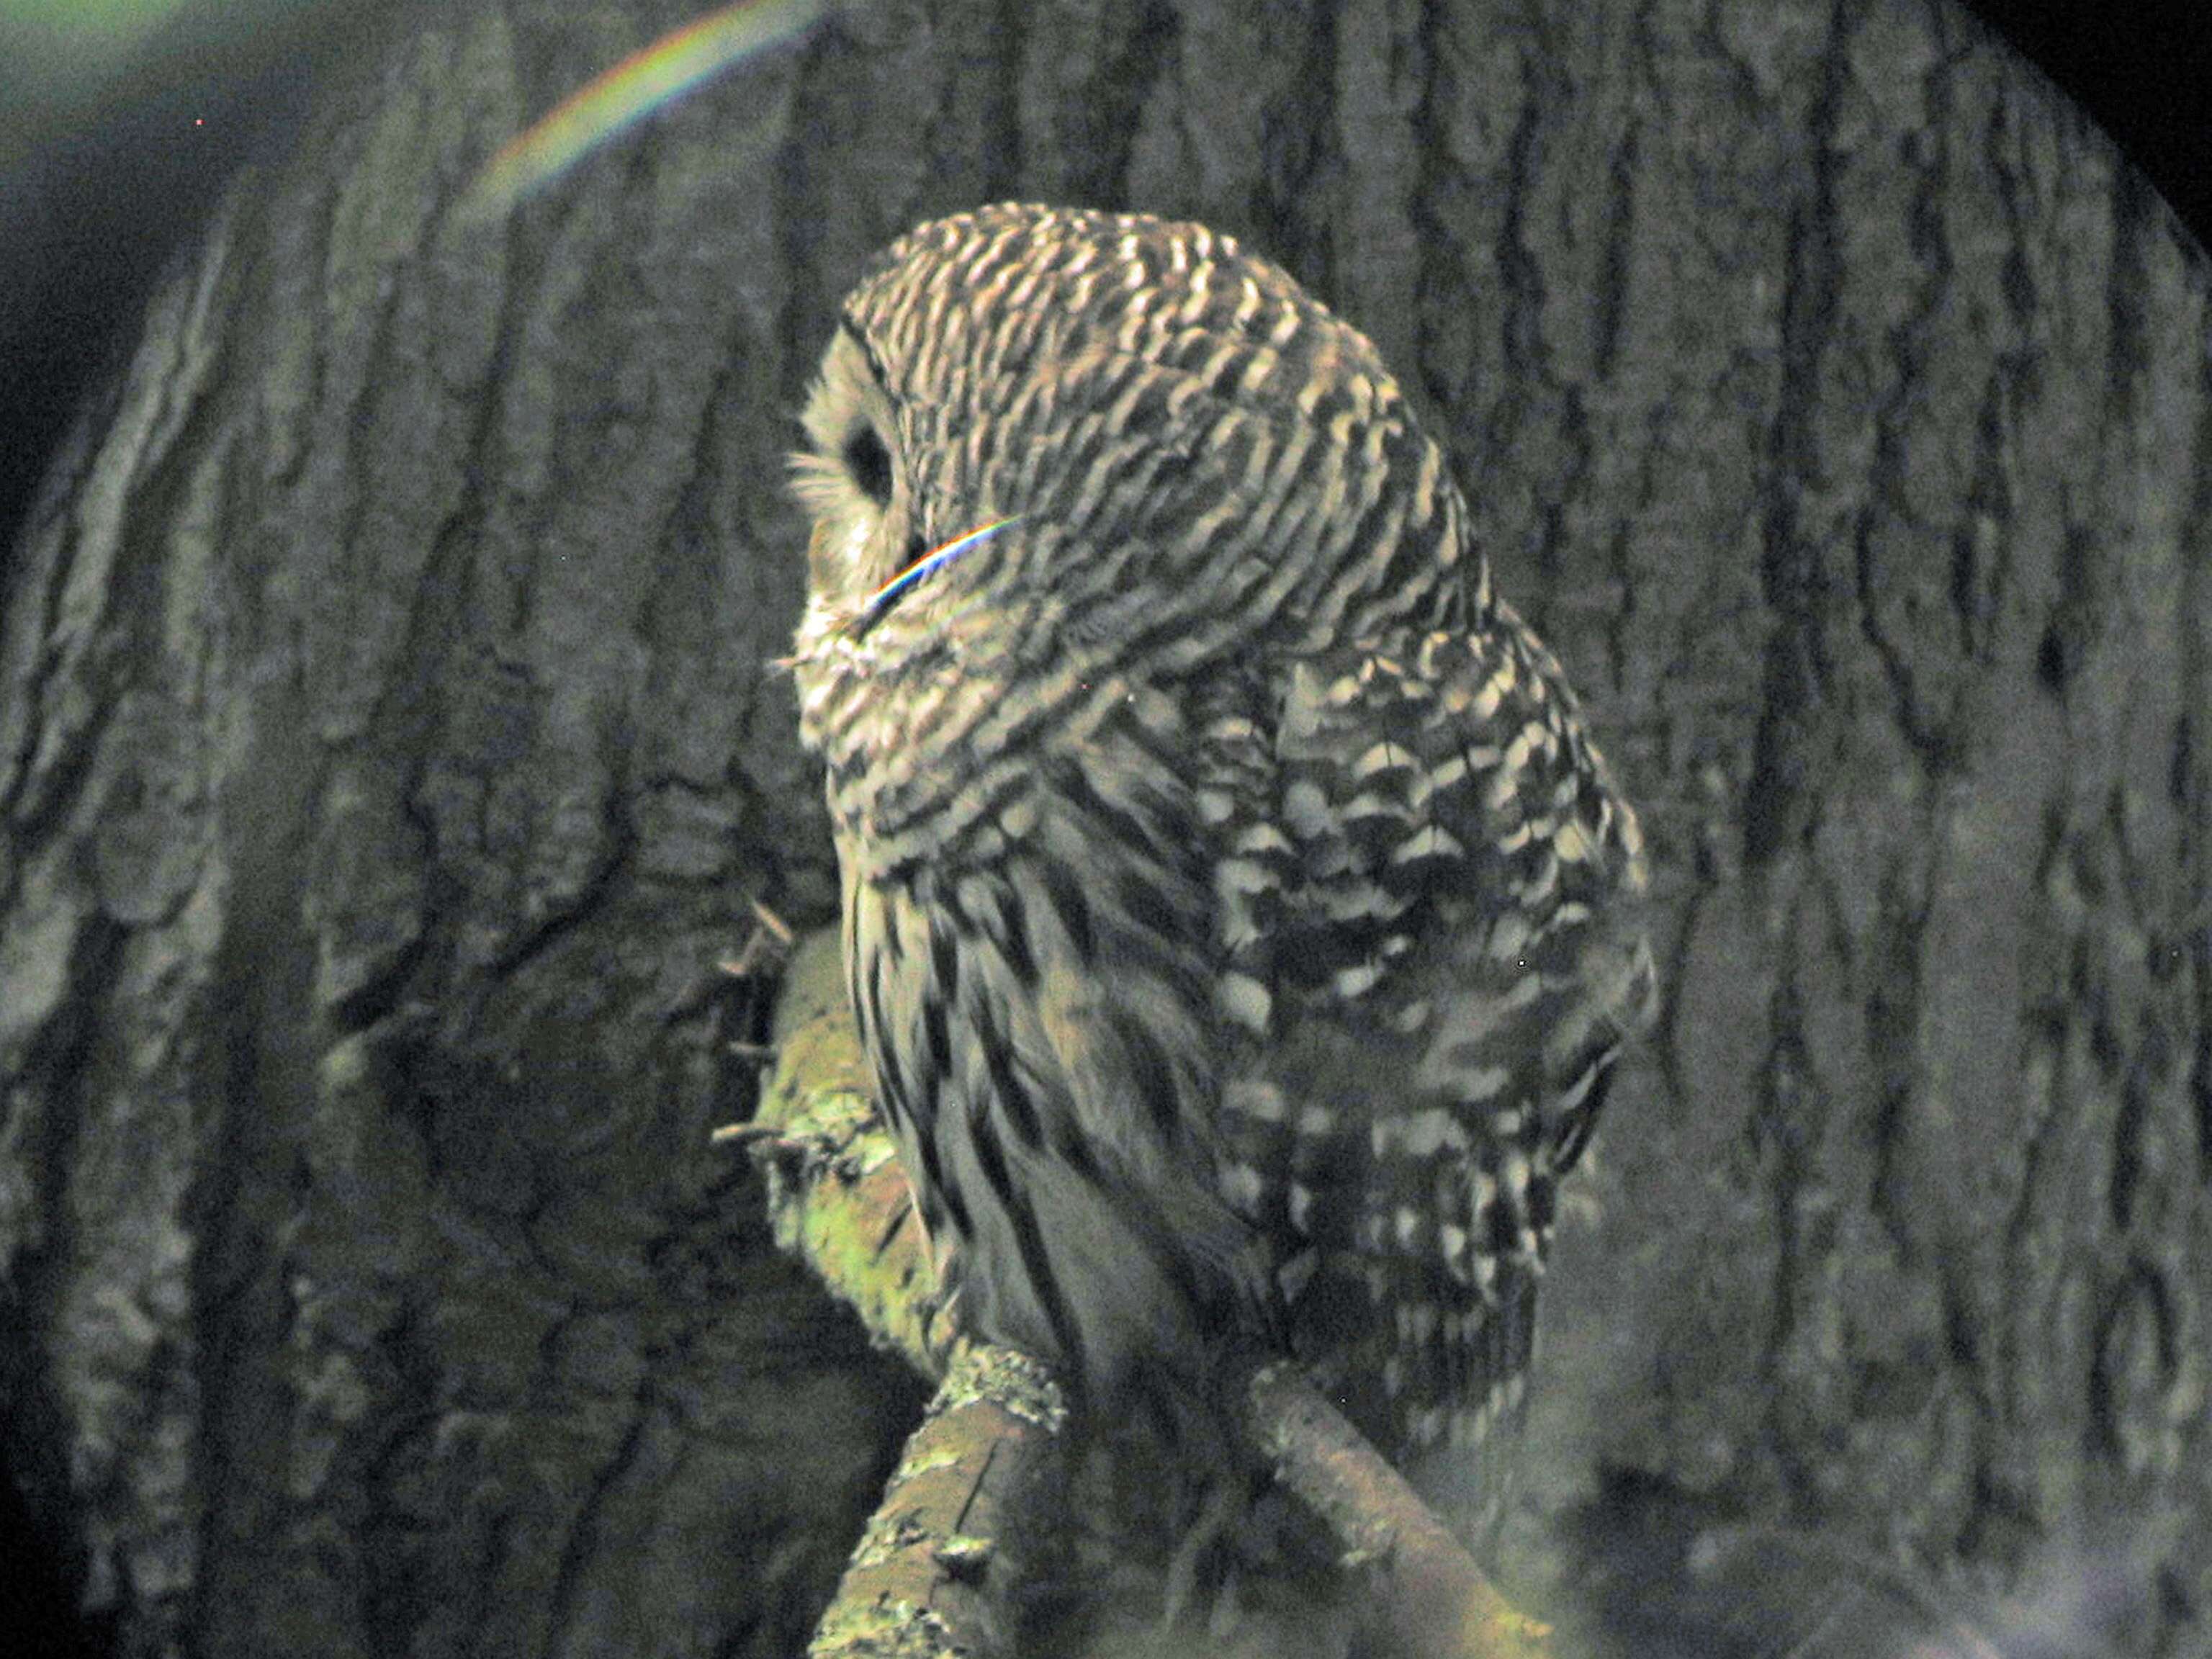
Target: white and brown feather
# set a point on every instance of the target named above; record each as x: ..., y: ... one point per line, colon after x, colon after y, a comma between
x: 1236, y: 911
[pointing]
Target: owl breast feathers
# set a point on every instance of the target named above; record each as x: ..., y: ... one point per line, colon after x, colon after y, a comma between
x: 1236, y: 912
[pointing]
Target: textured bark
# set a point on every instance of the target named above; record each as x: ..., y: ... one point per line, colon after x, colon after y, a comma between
x: 387, y: 755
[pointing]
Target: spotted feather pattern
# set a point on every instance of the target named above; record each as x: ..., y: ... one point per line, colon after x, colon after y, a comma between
x: 1237, y: 912
x: 1426, y: 952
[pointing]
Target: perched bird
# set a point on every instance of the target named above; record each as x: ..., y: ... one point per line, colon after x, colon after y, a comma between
x: 1236, y: 911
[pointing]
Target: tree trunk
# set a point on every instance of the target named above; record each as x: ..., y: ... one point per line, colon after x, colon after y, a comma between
x: 390, y: 749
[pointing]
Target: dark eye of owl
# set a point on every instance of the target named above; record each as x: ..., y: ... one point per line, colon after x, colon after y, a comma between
x: 869, y: 461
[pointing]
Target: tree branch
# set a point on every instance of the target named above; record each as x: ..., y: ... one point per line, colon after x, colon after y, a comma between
x: 932, y: 1572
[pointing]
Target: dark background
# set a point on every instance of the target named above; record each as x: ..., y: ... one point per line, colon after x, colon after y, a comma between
x: 108, y: 160
x: 109, y: 153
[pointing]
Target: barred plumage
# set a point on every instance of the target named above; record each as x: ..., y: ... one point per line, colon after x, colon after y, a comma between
x: 1234, y: 902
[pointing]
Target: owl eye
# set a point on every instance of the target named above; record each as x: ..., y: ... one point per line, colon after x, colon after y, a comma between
x: 868, y: 458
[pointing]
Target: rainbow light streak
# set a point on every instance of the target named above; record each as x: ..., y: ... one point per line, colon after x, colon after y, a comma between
x: 630, y: 92
x: 880, y: 600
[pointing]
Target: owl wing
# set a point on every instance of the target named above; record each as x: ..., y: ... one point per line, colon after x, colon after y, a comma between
x: 1035, y: 996
x: 1430, y: 969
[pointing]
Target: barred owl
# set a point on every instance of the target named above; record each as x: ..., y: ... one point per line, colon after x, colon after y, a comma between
x: 1236, y: 912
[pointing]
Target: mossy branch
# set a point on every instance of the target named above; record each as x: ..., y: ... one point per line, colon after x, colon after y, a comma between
x: 930, y: 1575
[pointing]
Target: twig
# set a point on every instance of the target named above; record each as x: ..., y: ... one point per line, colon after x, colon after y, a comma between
x: 1441, y: 1603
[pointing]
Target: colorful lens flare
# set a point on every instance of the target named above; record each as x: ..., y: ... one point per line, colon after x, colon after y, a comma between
x: 630, y: 92
x: 882, y: 597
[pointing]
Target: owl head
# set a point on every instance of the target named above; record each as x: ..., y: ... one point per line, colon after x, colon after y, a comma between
x: 1041, y: 428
